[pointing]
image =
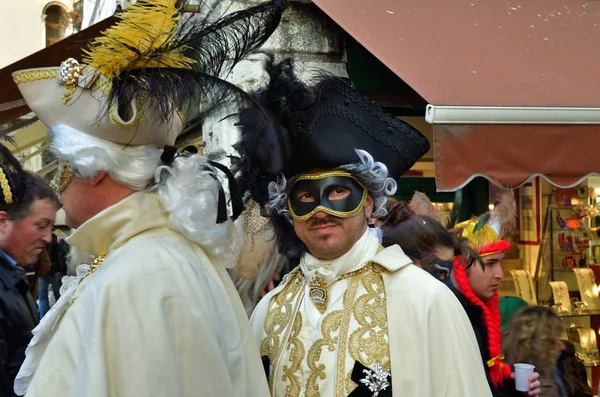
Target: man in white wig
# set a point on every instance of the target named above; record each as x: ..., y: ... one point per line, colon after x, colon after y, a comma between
x: 154, y: 312
x: 352, y: 319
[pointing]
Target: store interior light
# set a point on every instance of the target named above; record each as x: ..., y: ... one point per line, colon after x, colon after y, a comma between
x: 491, y: 207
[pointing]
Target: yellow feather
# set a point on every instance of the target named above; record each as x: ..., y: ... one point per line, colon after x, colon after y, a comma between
x: 133, y: 42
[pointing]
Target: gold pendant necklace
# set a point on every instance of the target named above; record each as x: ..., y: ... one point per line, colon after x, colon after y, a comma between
x: 319, y: 288
x: 318, y: 292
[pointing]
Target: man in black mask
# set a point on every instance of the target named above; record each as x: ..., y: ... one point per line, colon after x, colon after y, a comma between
x: 351, y: 315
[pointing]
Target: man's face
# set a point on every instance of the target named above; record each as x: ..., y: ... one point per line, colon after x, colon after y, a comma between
x: 327, y: 236
x: 484, y: 280
x: 26, y: 238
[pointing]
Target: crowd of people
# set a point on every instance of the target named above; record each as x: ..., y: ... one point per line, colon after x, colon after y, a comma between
x: 308, y: 280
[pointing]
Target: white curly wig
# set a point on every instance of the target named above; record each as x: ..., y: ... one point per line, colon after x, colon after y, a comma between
x: 188, y: 189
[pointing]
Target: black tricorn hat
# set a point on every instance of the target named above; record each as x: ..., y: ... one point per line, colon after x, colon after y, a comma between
x: 342, y: 120
x: 319, y: 127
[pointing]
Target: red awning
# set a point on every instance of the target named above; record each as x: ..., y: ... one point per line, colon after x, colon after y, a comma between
x: 70, y: 47
x: 507, y: 55
x: 509, y: 155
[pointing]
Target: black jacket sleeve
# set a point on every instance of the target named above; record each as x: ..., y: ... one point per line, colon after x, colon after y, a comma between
x: 6, y: 373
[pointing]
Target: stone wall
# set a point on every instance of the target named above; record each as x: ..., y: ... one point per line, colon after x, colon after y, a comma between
x: 314, y: 41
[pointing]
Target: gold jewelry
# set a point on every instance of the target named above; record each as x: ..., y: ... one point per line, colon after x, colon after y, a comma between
x: 319, y: 288
x: 62, y: 177
x: 6, y: 191
x: 95, y: 264
x: 318, y: 292
x: 69, y: 73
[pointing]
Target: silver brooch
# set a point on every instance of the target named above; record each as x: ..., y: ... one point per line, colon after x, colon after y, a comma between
x: 376, y: 379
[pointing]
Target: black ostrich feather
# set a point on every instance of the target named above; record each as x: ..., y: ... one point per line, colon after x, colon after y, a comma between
x: 180, y: 66
x: 264, y: 143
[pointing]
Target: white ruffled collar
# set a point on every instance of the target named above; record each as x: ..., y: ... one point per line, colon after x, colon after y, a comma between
x: 359, y: 255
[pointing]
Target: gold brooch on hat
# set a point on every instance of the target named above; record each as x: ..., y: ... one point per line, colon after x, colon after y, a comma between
x: 69, y: 73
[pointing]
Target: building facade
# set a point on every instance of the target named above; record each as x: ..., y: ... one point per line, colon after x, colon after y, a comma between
x: 30, y: 25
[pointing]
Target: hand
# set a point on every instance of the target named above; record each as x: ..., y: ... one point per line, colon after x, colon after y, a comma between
x: 534, y: 384
x: 270, y: 285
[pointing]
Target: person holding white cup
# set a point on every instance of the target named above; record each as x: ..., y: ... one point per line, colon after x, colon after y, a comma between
x: 532, y: 342
x: 475, y: 278
x: 522, y: 374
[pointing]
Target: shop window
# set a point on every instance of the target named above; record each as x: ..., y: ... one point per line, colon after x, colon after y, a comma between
x: 56, y: 20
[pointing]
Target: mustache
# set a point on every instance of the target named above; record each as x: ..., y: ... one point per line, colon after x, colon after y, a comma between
x: 327, y: 221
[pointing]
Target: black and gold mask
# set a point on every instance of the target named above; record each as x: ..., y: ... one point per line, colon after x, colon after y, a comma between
x: 336, y: 193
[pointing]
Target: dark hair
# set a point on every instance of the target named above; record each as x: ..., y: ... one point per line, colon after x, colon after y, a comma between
x: 573, y: 371
x: 30, y: 188
x: 417, y: 235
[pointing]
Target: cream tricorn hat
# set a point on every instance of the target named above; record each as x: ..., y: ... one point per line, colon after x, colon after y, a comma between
x: 78, y: 97
x: 143, y: 79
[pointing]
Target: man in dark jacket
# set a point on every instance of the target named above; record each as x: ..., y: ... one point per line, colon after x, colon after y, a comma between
x: 27, y: 211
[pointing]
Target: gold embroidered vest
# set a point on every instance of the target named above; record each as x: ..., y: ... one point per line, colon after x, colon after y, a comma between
x: 317, y: 359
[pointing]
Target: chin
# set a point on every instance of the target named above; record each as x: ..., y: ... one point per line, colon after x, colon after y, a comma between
x: 28, y: 261
x: 71, y: 223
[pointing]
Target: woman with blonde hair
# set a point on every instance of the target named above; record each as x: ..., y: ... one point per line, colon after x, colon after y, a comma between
x: 534, y: 337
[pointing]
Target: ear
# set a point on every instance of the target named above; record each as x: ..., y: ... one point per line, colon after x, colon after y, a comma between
x: 96, y: 179
x: 369, y: 206
x: 5, y: 222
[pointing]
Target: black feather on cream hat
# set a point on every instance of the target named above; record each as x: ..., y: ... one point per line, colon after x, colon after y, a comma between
x: 152, y: 75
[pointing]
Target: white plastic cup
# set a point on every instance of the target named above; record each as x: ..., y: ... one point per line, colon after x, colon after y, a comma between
x: 522, y: 374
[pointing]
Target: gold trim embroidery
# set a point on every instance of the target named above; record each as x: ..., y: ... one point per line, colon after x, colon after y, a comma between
x: 68, y: 93
x: 278, y: 321
x: 95, y: 263
x: 297, y: 350
x: 102, y: 85
x: 369, y: 342
x: 33, y: 75
x: 181, y: 116
x: 326, y: 174
x: 329, y: 326
x: 341, y: 353
x: 6, y: 192
x: 138, y: 116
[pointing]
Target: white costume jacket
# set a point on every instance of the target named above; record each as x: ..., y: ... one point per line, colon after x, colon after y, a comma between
x: 384, y: 316
x: 157, y: 318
